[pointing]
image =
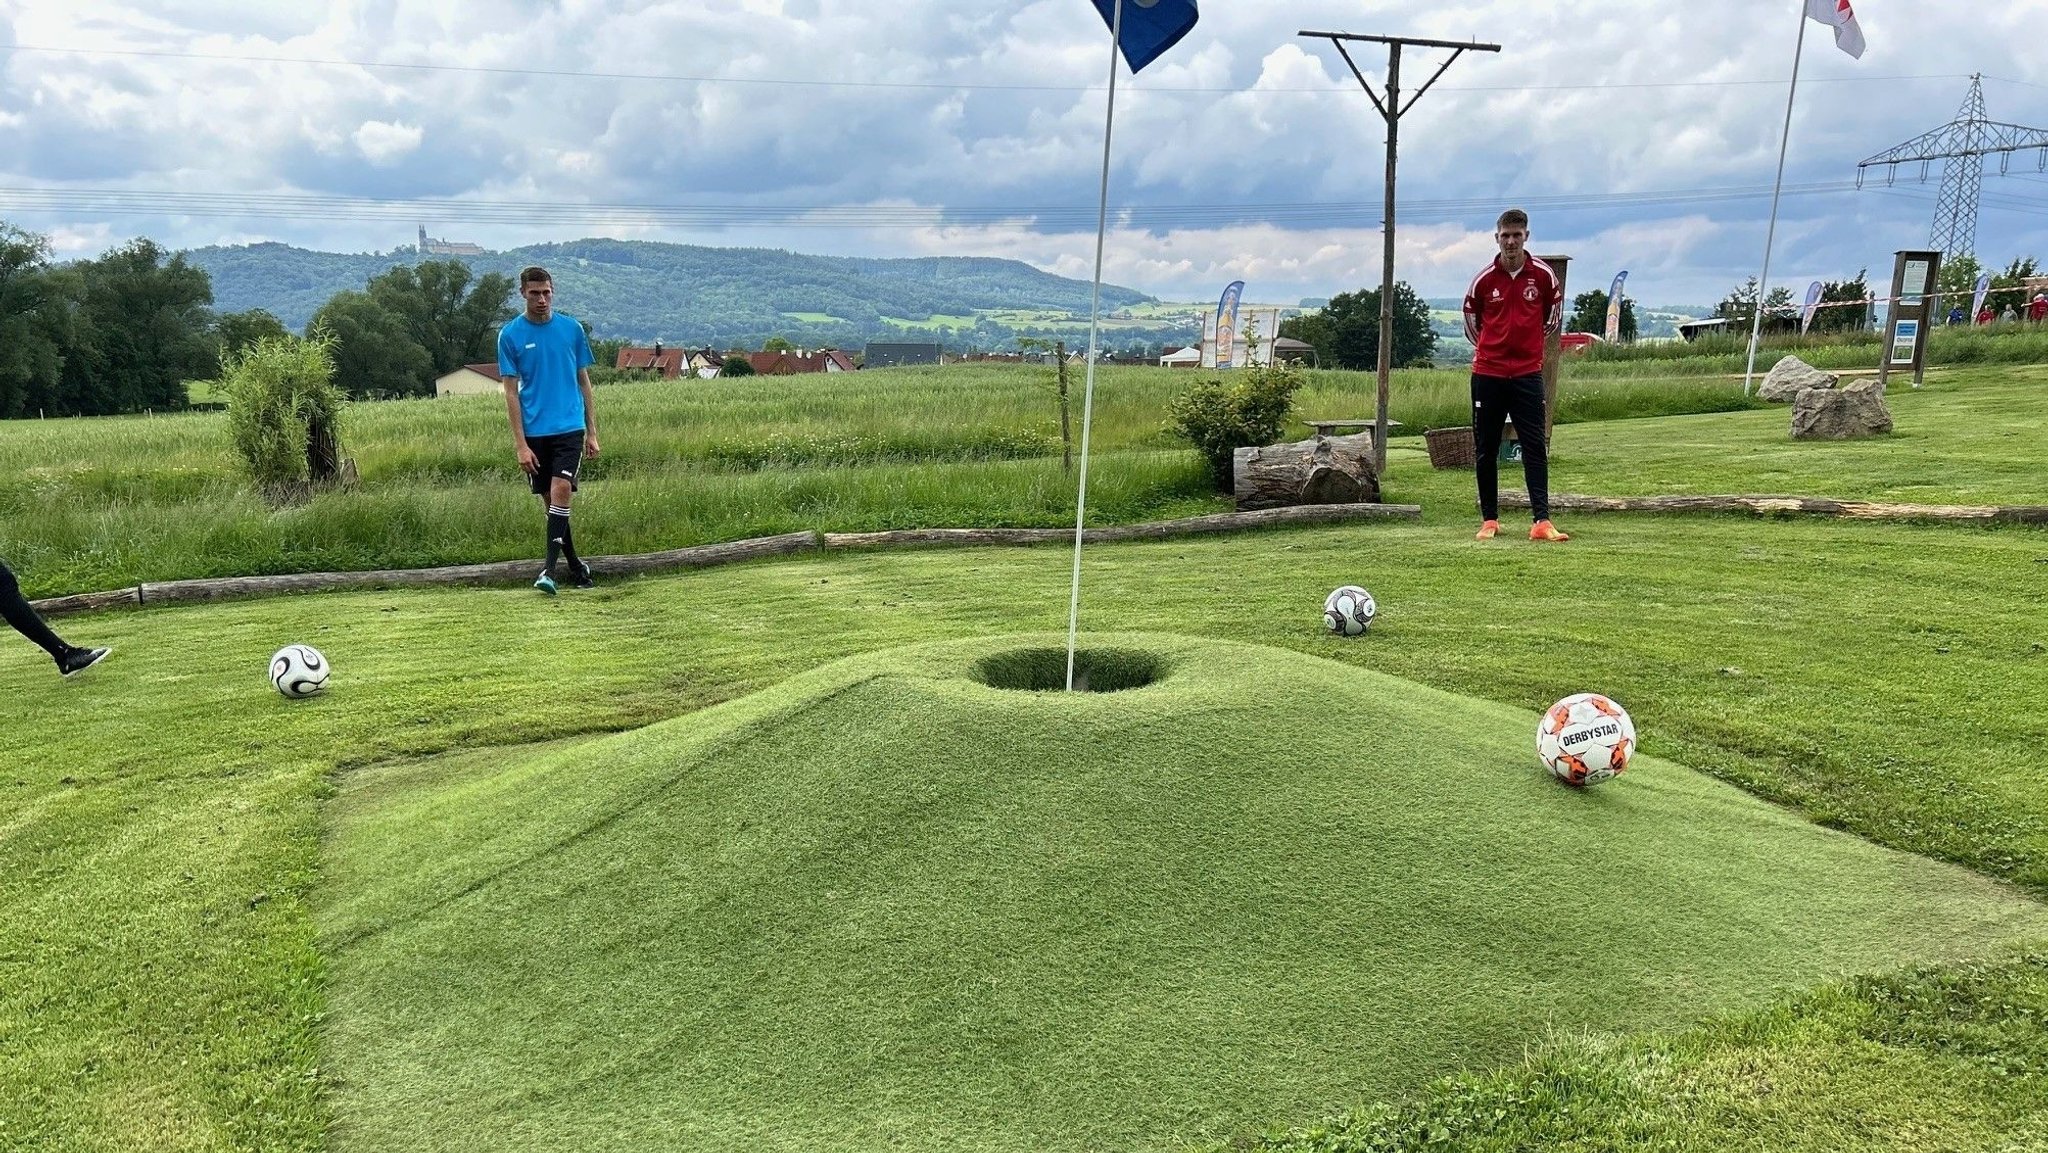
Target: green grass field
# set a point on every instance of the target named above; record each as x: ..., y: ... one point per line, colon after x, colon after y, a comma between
x: 885, y: 905
x: 95, y: 504
x: 228, y: 921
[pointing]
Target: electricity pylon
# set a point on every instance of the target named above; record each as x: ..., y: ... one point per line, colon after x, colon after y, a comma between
x: 1962, y: 143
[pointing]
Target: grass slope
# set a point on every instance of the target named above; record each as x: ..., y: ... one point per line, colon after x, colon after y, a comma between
x: 885, y: 905
x: 1935, y: 1059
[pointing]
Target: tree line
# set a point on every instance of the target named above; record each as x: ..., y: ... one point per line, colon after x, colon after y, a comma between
x: 1346, y: 332
x: 729, y: 297
x: 121, y: 333
x: 1846, y: 305
x: 126, y: 331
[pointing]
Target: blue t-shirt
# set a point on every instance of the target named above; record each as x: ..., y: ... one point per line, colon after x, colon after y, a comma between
x: 545, y: 358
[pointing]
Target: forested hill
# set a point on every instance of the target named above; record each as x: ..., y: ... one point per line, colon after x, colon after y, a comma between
x: 643, y: 290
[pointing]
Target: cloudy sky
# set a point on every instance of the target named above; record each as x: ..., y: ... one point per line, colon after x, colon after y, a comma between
x: 1641, y: 134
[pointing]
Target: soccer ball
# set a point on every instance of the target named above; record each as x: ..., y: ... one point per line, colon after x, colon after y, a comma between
x: 1349, y: 611
x: 1585, y: 739
x: 298, y: 670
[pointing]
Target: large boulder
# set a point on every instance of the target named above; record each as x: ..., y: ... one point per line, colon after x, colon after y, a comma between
x: 1792, y: 376
x: 1841, y: 414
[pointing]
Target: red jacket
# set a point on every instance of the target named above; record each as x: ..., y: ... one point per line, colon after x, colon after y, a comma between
x: 1509, y: 317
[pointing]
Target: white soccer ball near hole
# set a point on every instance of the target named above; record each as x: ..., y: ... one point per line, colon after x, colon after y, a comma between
x: 1348, y: 611
x: 298, y: 671
x: 1586, y: 739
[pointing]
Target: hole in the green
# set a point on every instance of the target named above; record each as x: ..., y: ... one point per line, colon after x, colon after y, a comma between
x: 1045, y: 670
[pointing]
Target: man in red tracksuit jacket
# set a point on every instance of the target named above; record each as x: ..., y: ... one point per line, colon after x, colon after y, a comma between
x: 1510, y: 311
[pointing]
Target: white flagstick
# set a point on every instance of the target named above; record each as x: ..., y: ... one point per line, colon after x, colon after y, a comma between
x: 1763, y: 285
x: 1116, y: 35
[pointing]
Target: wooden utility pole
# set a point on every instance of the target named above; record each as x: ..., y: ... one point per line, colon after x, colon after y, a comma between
x: 1059, y: 354
x: 1553, y: 349
x: 1391, y: 110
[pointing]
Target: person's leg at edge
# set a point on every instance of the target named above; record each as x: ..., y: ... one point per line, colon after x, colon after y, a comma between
x: 1529, y: 428
x: 543, y: 487
x: 561, y: 492
x: 1489, y: 411
x: 16, y: 610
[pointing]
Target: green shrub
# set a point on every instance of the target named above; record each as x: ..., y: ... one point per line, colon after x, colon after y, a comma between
x: 284, y: 412
x: 1218, y: 418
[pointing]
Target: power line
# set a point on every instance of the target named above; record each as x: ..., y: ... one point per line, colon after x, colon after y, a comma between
x: 2010, y: 80
x: 932, y: 85
x: 1962, y: 144
x: 1928, y: 194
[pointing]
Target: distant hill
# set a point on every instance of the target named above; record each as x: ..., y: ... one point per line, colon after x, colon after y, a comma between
x: 641, y: 290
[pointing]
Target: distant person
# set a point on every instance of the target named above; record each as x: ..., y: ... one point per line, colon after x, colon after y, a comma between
x: 1985, y: 315
x: 2038, y: 310
x: 2009, y: 316
x: 71, y: 660
x: 1955, y: 315
x: 1513, y: 306
x: 544, y: 363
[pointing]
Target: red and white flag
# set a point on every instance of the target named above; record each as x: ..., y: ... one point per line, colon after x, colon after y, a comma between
x: 1838, y: 15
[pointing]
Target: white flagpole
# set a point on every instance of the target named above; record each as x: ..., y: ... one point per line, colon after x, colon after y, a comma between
x: 1763, y: 284
x: 1116, y: 35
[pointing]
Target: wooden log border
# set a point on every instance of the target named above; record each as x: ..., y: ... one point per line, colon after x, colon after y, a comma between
x: 703, y: 556
x: 1156, y: 530
x: 1791, y: 505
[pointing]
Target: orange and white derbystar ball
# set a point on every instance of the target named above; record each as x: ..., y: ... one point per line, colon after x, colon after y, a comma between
x: 1585, y: 739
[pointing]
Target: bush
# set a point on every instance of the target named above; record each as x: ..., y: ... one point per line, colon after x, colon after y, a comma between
x: 1218, y: 418
x: 737, y: 366
x: 284, y: 412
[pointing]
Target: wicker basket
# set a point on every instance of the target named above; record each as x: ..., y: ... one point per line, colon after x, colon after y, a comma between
x: 1450, y: 447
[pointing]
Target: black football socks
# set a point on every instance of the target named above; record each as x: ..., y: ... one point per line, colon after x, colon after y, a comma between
x: 558, y: 535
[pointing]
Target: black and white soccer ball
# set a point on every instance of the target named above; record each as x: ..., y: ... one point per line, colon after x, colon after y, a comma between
x: 298, y: 671
x: 1348, y: 611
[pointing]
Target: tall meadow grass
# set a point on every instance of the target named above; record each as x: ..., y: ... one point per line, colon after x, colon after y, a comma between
x: 102, y: 502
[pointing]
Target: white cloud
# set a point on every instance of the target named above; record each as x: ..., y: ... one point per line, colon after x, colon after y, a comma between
x: 952, y: 106
x: 70, y: 242
x: 385, y: 144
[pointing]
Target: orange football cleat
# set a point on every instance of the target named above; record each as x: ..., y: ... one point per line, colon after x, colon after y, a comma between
x: 1487, y: 530
x: 1544, y: 530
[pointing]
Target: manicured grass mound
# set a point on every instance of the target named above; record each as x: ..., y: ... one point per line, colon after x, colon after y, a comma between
x: 884, y: 905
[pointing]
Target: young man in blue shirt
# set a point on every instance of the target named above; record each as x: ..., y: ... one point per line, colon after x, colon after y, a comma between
x: 544, y: 363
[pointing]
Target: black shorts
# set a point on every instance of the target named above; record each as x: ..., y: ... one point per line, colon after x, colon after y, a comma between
x: 560, y: 455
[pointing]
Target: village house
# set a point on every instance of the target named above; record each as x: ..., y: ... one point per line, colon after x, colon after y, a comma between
x: 469, y: 380
x: 799, y: 362
x: 666, y: 363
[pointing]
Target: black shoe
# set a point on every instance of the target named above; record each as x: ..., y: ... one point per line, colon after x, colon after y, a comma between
x: 579, y: 575
x: 78, y: 660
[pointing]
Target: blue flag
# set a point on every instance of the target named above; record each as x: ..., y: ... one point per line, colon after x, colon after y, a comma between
x: 1150, y: 27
